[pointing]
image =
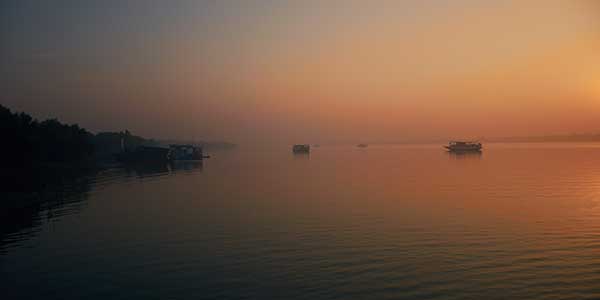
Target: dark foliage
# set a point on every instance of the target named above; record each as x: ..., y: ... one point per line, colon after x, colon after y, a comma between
x: 27, y: 141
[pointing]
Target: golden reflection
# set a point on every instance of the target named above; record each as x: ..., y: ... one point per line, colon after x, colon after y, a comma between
x: 595, y: 87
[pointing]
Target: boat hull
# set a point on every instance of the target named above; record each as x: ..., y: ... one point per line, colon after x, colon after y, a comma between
x: 463, y: 149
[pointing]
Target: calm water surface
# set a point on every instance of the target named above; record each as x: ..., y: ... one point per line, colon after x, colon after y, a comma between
x: 386, y: 222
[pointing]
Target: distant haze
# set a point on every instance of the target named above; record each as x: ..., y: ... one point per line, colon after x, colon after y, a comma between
x: 306, y: 71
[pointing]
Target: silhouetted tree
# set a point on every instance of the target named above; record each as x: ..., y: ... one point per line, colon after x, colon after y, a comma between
x: 27, y: 141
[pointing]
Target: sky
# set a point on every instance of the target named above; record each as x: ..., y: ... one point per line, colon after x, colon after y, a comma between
x: 306, y: 71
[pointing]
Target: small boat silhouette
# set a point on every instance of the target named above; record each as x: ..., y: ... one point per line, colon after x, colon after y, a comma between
x: 301, y: 148
x: 462, y: 146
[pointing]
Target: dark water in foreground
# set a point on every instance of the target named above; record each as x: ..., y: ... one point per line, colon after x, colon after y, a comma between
x: 385, y: 222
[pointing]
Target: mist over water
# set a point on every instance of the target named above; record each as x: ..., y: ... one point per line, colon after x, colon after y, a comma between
x: 518, y: 221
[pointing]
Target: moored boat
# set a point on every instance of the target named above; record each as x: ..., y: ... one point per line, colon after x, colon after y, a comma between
x: 463, y: 146
x: 185, y: 152
x: 299, y: 148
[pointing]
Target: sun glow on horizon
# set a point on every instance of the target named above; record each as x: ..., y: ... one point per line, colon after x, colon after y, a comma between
x: 345, y: 69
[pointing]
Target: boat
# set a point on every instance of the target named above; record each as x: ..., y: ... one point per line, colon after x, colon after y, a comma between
x: 463, y: 146
x: 150, y: 154
x: 362, y: 145
x: 185, y: 152
x: 301, y: 148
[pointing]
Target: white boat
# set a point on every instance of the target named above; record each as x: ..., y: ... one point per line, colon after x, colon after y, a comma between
x: 462, y: 146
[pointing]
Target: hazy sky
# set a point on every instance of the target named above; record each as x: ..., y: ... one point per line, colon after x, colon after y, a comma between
x: 307, y: 70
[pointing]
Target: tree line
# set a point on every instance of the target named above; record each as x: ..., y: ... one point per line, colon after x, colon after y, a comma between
x: 27, y: 141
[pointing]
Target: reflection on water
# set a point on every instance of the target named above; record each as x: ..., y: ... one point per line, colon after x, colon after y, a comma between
x: 160, y: 169
x: 396, y: 222
x: 464, y: 154
x: 186, y: 166
x: 32, y: 197
x: 301, y: 155
x: 42, y: 195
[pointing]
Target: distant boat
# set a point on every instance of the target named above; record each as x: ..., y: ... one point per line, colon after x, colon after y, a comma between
x: 462, y: 146
x: 301, y: 148
x: 362, y: 145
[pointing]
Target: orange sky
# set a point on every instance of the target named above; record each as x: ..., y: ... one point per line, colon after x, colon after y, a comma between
x: 310, y: 71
